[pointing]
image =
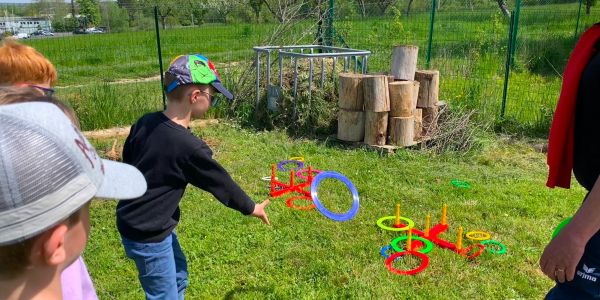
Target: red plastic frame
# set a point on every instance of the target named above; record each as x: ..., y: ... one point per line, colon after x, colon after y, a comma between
x: 289, y: 203
x: 292, y: 187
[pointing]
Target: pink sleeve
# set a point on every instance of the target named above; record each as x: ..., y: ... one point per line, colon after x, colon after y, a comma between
x: 76, y: 282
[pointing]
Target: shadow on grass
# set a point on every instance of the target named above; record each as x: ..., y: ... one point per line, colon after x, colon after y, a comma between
x: 238, y: 292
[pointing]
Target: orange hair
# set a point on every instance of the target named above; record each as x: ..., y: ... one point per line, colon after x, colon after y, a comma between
x: 23, y: 64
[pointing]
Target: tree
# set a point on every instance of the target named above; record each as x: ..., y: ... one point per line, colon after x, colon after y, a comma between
x: 588, y: 6
x: 503, y: 7
x: 284, y: 10
x: 221, y: 8
x: 375, y: 7
x: 114, y: 18
x: 166, y: 9
x: 90, y: 10
x: 132, y: 7
x: 256, y: 7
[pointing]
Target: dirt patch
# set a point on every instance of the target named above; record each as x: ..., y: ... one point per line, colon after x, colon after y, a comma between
x: 117, y: 132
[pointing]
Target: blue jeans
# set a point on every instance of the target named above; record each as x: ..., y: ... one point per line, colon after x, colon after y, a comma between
x: 162, y: 268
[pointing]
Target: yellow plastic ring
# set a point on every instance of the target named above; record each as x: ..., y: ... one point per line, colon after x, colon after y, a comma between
x: 409, y: 223
x: 298, y: 158
x: 478, y: 235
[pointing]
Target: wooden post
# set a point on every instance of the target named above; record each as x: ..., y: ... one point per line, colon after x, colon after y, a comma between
x: 351, y: 125
x: 402, y: 131
x: 427, y: 221
x: 418, y: 122
x: 402, y: 99
x: 429, y: 81
x: 376, y: 127
x: 376, y: 93
x: 409, y: 240
x: 351, y: 91
x: 404, y: 62
x: 397, y: 215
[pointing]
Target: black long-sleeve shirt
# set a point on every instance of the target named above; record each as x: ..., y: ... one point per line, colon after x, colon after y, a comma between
x: 170, y: 157
x: 586, y: 163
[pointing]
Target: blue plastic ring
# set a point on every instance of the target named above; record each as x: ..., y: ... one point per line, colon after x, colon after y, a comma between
x: 299, y: 164
x: 336, y: 217
x: 384, y: 249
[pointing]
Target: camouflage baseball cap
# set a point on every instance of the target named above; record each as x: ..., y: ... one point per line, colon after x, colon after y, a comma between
x: 195, y: 69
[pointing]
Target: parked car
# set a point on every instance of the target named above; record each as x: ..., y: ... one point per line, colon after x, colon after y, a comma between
x: 80, y: 31
x: 22, y: 35
x: 94, y: 30
x: 43, y: 33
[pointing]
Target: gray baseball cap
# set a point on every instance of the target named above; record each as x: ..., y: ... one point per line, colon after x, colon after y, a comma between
x: 49, y: 170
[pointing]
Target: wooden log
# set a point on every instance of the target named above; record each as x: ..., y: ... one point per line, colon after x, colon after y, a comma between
x: 402, y: 131
x: 430, y: 119
x: 404, y: 62
x: 376, y: 127
x: 351, y: 91
x: 351, y: 125
x: 429, y: 87
x: 376, y: 93
x: 402, y: 100
x: 390, y: 77
x: 418, y: 123
x: 416, y: 91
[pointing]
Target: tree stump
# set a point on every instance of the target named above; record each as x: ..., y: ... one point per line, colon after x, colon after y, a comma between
x: 351, y: 91
x: 416, y: 91
x: 351, y: 125
x: 402, y: 100
x: 376, y: 93
x: 376, y: 127
x: 402, y: 131
x: 429, y: 81
x: 404, y: 62
x: 418, y: 123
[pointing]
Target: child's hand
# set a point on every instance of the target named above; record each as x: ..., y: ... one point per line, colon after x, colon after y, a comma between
x: 259, y: 211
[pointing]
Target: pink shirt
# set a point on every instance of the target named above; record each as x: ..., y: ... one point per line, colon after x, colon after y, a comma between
x: 76, y: 282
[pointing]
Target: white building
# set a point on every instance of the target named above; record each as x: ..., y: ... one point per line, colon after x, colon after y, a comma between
x: 24, y: 24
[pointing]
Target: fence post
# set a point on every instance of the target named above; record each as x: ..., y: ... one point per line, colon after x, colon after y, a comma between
x: 507, y: 64
x: 515, y: 31
x: 429, y: 43
x: 160, y: 62
x: 330, y: 11
x: 578, y: 16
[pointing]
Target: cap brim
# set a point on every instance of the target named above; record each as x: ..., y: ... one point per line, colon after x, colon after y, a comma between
x: 217, y: 85
x: 121, y: 181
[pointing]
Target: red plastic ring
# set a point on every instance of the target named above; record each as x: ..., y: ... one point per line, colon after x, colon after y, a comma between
x: 424, y: 263
x: 474, y: 255
x: 290, y: 203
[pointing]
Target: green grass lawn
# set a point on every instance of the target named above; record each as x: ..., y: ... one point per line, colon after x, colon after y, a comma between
x: 305, y: 255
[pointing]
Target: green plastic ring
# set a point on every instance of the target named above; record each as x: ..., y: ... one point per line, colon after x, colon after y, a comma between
x: 560, y: 226
x: 427, y: 249
x: 460, y: 184
x: 493, y: 242
x: 409, y: 222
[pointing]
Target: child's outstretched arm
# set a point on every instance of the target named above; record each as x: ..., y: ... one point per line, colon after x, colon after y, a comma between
x: 201, y: 170
x: 259, y: 211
